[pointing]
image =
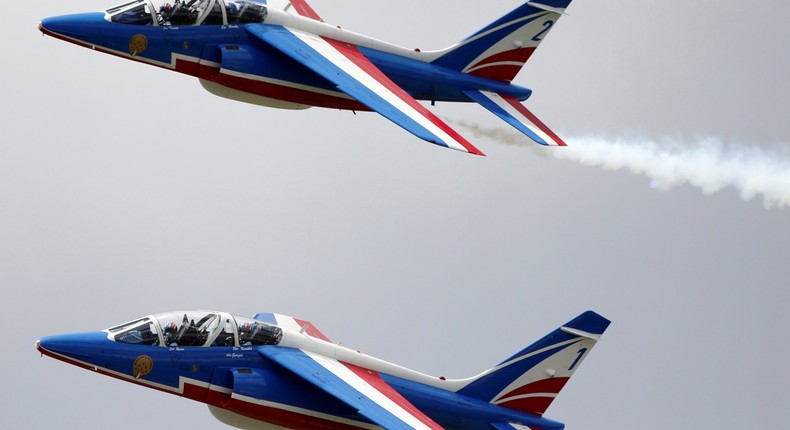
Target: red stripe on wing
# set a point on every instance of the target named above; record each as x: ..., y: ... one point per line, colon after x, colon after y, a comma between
x: 374, y: 380
x: 352, y: 53
x: 523, y: 110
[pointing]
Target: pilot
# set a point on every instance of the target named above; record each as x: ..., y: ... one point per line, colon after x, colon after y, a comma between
x: 170, y: 331
x: 164, y: 14
x: 245, y: 334
x: 233, y: 10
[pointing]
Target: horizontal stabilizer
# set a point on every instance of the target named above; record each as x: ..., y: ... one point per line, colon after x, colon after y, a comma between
x: 517, y: 115
x: 510, y: 426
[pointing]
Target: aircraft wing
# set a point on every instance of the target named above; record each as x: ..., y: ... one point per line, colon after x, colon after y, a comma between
x: 360, y: 388
x: 345, y: 66
x: 517, y: 115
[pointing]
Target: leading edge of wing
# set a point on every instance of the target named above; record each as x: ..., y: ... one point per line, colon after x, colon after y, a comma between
x: 362, y: 389
x: 345, y: 66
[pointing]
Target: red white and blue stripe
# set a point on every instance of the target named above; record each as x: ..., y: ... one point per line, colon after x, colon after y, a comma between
x: 516, y: 114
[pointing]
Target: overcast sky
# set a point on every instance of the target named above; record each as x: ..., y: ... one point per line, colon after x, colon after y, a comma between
x: 127, y: 190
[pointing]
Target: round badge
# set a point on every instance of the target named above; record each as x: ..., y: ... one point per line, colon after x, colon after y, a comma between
x: 137, y: 44
x: 142, y: 366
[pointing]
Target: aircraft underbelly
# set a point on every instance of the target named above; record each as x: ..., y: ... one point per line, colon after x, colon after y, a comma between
x: 260, y: 398
x: 263, y: 76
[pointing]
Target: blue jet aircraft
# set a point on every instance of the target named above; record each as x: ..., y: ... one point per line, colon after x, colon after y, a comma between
x: 280, y: 53
x: 273, y: 372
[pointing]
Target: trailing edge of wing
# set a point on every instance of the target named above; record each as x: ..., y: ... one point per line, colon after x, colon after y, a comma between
x: 517, y: 115
x: 345, y: 66
x: 362, y: 389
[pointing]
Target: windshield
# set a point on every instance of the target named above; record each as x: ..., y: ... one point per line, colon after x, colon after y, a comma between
x: 196, y: 328
x: 188, y: 12
x: 141, y: 332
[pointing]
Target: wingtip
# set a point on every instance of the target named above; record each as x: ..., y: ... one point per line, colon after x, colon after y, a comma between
x: 469, y: 148
x: 475, y: 151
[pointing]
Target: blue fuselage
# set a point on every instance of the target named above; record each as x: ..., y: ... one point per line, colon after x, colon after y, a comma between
x: 242, y: 381
x: 229, y: 56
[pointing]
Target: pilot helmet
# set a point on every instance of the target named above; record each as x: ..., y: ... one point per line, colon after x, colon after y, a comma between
x: 170, y: 327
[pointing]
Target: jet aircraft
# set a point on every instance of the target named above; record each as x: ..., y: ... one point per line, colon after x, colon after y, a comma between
x: 280, y: 53
x: 272, y: 371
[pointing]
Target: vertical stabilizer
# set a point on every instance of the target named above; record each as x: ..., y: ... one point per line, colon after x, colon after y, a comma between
x: 501, y: 49
x: 530, y: 380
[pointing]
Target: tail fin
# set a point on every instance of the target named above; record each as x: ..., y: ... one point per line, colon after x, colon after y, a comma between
x: 531, y: 379
x: 500, y: 50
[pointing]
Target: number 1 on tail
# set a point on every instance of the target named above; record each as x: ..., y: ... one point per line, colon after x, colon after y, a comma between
x: 578, y: 358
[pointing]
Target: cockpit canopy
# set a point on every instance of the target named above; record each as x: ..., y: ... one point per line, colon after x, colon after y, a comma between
x: 188, y: 12
x: 196, y: 328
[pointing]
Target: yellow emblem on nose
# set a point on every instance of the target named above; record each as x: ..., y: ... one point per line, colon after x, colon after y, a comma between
x: 137, y: 44
x: 142, y: 366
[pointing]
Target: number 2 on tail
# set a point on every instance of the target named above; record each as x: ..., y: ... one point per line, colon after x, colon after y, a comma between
x: 578, y: 358
x: 538, y: 37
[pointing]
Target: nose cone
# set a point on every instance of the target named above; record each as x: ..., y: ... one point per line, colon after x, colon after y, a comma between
x: 79, y: 349
x: 81, y: 27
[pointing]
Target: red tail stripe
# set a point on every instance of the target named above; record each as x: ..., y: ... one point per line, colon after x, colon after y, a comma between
x: 498, y: 72
x: 488, y: 67
x: 533, y: 405
x: 515, y: 55
x: 550, y: 385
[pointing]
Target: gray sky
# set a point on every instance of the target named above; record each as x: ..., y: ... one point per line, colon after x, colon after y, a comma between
x: 441, y: 262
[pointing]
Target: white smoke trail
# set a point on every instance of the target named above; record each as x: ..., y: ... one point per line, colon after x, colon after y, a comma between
x: 708, y: 164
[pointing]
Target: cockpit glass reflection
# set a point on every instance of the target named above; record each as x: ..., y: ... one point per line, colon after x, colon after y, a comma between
x: 188, y: 12
x: 141, y: 332
x: 196, y: 328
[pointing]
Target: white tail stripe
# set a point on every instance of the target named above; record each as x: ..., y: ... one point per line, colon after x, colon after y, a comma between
x: 499, y: 27
x: 501, y: 63
x: 524, y: 396
x: 581, y: 333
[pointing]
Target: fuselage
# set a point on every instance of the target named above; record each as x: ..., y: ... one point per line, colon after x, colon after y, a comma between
x: 220, y: 364
x: 232, y: 63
